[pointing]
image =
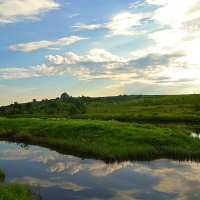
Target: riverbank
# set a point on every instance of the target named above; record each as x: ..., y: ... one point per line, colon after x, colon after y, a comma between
x: 104, y: 140
x: 13, y: 191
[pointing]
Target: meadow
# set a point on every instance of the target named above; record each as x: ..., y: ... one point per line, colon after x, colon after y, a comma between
x: 133, y: 108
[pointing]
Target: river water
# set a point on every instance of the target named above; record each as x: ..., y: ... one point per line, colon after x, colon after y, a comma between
x: 59, y: 177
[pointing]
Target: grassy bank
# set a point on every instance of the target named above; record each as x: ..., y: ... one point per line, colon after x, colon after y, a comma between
x: 14, y: 192
x: 105, y: 140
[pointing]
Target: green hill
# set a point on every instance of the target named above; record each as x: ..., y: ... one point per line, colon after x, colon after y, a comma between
x: 139, y: 108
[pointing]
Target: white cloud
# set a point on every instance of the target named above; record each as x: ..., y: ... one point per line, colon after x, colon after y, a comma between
x: 12, y: 11
x: 167, y: 37
x: 44, y: 70
x: 183, y: 11
x: 123, y: 23
x: 182, y: 26
x: 68, y: 58
x: 95, y: 55
x: 15, y: 72
x: 88, y: 27
x: 26, y: 47
x: 101, y: 55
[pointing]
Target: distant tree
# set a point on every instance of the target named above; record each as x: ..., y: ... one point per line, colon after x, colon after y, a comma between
x: 64, y: 96
x: 2, y: 110
x: 34, y: 100
x: 17, y: 108
x: 80, y: 106
x: 28, y: 107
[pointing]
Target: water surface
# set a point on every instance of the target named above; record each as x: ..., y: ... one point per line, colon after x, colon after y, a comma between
x: 64, y: 177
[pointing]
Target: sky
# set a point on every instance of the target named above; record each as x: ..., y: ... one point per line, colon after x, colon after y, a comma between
x: 98, y: 48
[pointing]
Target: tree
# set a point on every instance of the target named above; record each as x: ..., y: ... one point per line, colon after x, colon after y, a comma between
x: 17, y: 108
x: 64, y: 96
x: 28, y: 107
x: 73, y: 109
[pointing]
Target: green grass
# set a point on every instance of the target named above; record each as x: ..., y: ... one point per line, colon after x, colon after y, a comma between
x: 158, y: 109
x: 106, y: 140
x: 14, y: 192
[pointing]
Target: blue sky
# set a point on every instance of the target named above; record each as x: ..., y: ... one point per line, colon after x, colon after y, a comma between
x: 98, y: 48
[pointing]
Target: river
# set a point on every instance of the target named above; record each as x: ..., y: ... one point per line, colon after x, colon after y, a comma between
x: 57, y: 176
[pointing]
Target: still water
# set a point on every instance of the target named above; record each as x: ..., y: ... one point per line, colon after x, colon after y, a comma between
x: 61, y: 177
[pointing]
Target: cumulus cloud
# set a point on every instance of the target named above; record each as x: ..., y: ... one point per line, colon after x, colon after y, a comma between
x: 143, y: 68
x: 26, y: 47
x: 12, y: 11
x: 123, y: 23
x: 68, y: 58
x: 95, y: 55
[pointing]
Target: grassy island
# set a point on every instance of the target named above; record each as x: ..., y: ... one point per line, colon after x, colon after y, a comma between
x: 105, y: 140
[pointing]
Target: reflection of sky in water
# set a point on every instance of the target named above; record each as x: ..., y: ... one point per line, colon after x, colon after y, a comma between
x: 67, y: 177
